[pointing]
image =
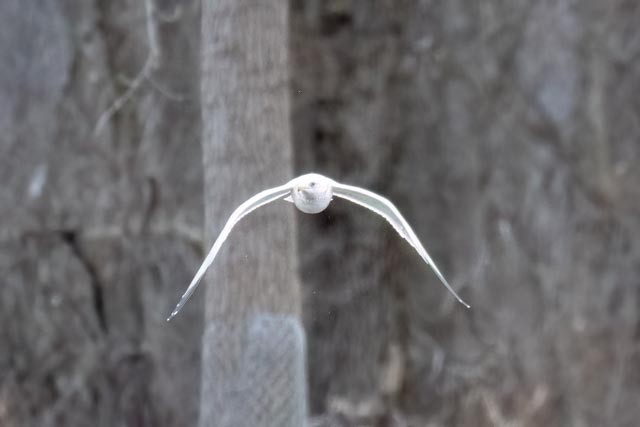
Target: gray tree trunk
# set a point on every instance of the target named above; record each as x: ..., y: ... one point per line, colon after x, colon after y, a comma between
x: 253, y: 346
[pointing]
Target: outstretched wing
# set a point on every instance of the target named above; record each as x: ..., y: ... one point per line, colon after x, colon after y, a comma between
x: 388, y: 211
x: 260, y: 199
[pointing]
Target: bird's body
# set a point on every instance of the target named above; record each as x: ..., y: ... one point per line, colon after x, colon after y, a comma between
x: 312, y: 193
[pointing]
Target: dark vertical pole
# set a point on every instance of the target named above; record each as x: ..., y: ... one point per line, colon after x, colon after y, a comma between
x: 253, y: 349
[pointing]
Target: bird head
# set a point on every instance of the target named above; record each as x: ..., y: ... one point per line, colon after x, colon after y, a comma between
x: 312, y: 193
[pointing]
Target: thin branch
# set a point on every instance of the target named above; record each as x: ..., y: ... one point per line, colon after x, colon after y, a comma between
x: 119, y: 102
x: 152, y: 62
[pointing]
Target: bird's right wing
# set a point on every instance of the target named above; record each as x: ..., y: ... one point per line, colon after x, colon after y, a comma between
x: 388, y: 211
x: 260, y: 199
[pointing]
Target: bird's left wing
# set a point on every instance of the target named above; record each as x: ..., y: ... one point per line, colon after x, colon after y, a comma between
x: 260, y: 199
x: 388, y: 211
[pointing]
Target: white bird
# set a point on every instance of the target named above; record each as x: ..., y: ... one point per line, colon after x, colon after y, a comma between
x: 312, y: 193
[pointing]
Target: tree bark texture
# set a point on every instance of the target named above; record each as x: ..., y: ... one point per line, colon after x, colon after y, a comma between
x: 253, y: 346
x: 506, y: 132
x: 99, y: 231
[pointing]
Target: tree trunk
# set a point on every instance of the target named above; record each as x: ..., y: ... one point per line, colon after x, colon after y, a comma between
x: 253, y: 350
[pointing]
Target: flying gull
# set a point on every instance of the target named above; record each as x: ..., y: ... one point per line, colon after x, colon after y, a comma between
x: 312, y: 193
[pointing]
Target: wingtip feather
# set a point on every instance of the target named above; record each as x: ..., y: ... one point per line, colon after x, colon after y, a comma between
x: 172, y: 315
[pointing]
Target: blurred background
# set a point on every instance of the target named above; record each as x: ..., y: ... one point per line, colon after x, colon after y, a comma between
x: 507, y: 132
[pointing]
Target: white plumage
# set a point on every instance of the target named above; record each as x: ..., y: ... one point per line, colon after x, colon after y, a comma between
x: 312, y: 193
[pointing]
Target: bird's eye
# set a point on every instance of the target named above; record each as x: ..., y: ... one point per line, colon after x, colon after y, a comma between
x: 312, y: 184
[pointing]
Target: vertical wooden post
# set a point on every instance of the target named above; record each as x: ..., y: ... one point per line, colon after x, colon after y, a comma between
x: 253, y: 349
